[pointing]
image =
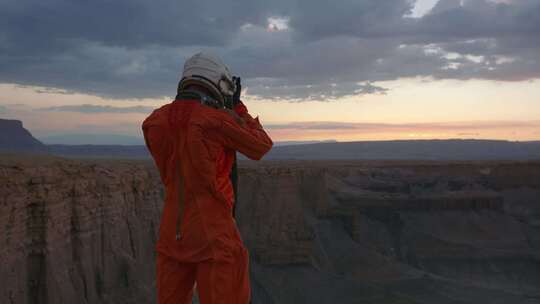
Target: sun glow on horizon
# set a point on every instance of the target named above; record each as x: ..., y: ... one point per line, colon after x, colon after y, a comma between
x: 411, y: 109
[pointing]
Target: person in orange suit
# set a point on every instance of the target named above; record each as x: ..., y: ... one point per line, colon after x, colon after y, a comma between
x: 193, y: 141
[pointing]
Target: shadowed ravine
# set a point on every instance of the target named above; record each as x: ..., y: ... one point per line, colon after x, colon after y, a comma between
x: 83, y: 231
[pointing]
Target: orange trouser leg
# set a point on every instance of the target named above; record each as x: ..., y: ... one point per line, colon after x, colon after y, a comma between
x: 224, y: 283
x: 175, y: 280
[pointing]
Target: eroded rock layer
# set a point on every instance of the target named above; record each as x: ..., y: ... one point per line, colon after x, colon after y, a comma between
x: 393, y: 232
x: 77, y: 232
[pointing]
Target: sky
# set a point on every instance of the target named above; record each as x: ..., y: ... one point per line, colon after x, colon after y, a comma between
x: 311, y: 69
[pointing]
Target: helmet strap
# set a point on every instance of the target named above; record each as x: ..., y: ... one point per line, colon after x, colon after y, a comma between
x: 193, y: 94
x: 205, y: 82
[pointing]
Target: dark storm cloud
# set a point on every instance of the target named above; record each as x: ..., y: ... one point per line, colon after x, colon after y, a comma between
x: 89, y: 108
x: 122, y: 48
x: 127, y: 23
x: 316, y: 19
x: 482, y: 19
x: 324, y: 50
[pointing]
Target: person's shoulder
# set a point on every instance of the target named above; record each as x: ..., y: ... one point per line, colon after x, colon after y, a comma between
x: 209, y: 117
x: 157, y: 114
x: 163, y: 109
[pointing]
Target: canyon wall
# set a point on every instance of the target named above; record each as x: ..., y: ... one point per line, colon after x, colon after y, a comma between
x: 83, y: 231
x: 77, y: 232
x: 393, y: 232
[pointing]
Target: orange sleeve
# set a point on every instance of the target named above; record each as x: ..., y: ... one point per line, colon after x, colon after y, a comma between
x: 158, y: 145
x: 250, y: 140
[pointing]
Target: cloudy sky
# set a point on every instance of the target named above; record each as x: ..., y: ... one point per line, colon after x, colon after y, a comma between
x: 313, y: 69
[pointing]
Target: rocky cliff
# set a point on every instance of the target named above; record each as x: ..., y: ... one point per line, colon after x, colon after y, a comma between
x: 393, y: 232
x: 77, y: 232
x: 81, y: 231
x: 15, y: 138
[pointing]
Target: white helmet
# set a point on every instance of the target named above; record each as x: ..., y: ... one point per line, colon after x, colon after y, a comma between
x: 210, y: 72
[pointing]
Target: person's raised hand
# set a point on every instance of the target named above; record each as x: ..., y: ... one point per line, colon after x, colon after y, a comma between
x: 238, y: 91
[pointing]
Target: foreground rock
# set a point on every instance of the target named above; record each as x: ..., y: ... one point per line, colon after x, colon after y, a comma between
x: 77, y: 232
x: 319, y: 232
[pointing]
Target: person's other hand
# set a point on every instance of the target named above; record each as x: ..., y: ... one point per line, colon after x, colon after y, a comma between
x: 237, y: 92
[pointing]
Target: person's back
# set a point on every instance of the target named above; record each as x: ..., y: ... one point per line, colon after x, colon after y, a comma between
x: 193, y: 146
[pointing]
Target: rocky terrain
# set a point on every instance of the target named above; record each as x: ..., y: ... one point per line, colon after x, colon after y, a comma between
x: 77, y: 232
x: 83, y: 231
x: 393, y: 232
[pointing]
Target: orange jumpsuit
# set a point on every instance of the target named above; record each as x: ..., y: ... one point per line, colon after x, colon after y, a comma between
x: 193, y: 147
